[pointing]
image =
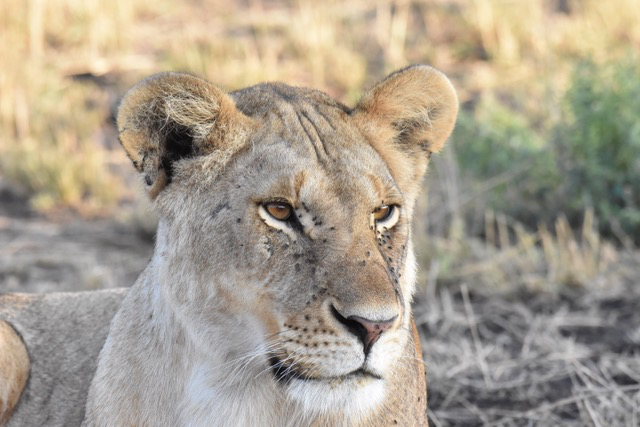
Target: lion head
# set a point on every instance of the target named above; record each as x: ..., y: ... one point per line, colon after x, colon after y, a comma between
x: 285, y: 222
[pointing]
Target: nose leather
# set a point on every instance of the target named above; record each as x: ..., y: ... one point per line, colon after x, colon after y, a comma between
x: 368, y: 331
x: 371, y: 330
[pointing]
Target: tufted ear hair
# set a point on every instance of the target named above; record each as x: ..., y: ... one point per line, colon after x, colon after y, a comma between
x: 408, y: 116
x: 172, y: 116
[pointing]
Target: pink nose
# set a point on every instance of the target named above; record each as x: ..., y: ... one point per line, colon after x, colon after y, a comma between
x: 368, y: 331
x: 371, y: 330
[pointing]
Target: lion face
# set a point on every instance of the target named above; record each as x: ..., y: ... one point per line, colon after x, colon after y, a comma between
x: 285, y: 217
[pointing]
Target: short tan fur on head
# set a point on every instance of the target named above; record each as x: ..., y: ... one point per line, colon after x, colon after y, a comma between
x: 309, y: 313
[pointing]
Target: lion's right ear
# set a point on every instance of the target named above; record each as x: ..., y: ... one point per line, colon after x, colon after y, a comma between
x: 172, y: 116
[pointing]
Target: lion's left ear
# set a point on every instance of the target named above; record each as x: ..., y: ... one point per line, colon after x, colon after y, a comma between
x: 408, y: 116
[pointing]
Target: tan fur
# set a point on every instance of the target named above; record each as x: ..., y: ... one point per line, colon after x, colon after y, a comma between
x: 14, y: 370
x: 241, y: 319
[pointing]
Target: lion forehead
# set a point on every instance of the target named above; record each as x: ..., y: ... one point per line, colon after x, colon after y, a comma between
x: 258, y: 99
x: 301, y: 128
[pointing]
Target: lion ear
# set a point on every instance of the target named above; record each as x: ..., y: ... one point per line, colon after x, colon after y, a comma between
x: 409, y: 115
x: 172, y: 116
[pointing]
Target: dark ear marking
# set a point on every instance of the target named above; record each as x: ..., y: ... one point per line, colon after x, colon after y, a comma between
x: 148, y: 179
x: 179, y: 145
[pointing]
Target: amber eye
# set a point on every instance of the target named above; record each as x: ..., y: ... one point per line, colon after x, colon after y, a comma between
x: 278, y: 210
x: 382, y: 213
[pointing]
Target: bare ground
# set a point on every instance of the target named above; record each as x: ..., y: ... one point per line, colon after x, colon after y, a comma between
x: 43, y: 254
x: 522, y: 358
x: 509, y: 358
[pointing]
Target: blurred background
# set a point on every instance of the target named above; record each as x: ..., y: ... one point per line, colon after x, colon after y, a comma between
x: 526, y: 235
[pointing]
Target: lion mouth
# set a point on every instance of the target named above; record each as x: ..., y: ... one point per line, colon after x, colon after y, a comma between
x: 285, y: 374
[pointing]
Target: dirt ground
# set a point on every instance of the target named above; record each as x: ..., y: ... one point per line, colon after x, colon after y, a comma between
x: 44, y: 254
x: 508, y: 358
x: 519, y: 358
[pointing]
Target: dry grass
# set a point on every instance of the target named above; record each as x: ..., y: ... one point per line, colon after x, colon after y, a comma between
x: 511, y: 256
x: 67, y: 62
x: 521, y: 358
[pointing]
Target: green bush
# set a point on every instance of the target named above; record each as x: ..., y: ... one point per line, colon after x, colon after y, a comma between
x: 502, y: 156
x: 598, y: 144
x: 587, y: 158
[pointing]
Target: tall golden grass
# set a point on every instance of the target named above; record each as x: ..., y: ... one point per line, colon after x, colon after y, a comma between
x: 52, y: 123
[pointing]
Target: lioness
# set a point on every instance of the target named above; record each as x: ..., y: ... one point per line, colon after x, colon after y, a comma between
x: 280, y: 287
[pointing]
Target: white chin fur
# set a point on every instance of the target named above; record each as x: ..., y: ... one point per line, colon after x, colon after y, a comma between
x: 350, y: 399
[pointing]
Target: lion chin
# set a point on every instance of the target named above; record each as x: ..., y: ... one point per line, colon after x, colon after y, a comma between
x: 352, y: 395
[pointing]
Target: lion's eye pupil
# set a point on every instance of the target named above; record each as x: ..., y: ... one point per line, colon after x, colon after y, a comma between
x: 280, y: 211
x: 382, y: 213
